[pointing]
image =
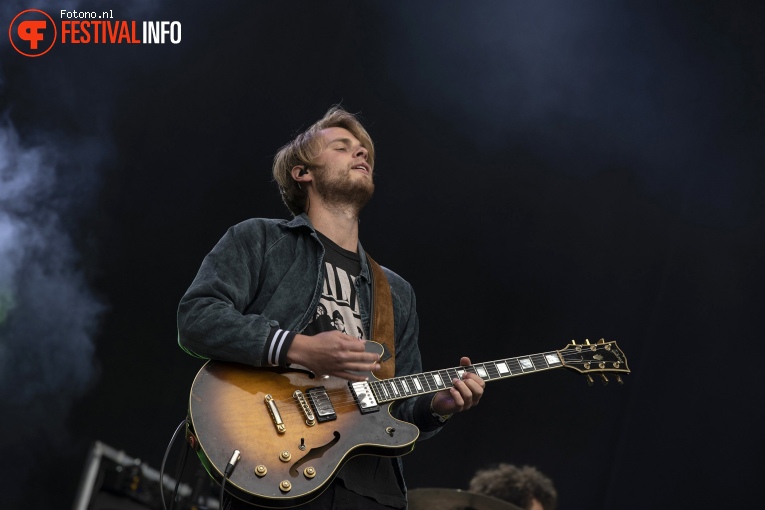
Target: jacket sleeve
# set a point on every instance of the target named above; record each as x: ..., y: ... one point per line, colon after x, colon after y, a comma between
x: 414, y: 410
x: 211, y: 318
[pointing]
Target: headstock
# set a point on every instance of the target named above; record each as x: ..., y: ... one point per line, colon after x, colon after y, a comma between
x: 601, y: 357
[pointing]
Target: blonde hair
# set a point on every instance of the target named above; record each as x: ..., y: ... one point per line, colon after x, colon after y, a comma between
x: 304, y: 149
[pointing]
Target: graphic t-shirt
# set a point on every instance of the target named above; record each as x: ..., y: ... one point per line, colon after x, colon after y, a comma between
x: 338, y: 306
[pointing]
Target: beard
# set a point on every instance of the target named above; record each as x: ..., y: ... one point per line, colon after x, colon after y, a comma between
x: 342, y: 190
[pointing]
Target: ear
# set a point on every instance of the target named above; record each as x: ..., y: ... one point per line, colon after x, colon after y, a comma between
x: 301, y: 173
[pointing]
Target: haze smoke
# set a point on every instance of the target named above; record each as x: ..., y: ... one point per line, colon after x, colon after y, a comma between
x: 586, y: 87
x: 47, y: 314
x: 49, y: 317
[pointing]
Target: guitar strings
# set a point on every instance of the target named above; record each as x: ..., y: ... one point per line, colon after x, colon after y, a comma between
x: 342, y: 397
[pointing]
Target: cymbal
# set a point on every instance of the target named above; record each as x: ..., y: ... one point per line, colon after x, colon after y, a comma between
x: 455, y: 499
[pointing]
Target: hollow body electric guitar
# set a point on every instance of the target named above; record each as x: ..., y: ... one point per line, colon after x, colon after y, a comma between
x: 280, y: 435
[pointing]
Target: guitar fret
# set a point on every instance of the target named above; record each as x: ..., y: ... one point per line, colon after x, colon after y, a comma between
x: 386, y: 395
x: 525, y: 364
x: 540, y: 360
x: 512, y: 367
x: 394, y: 387
x: 492, y: 370
x: 376, y: 390
x: 481, y: 371
x: 427, y: 381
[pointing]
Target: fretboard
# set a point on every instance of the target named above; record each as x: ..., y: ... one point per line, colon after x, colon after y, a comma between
x: 407, y: 386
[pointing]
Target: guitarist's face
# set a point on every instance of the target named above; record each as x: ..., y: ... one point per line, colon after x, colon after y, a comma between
x: 342, y: 175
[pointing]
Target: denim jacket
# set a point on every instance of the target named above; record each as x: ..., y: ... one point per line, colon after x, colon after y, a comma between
x: 267, y: 273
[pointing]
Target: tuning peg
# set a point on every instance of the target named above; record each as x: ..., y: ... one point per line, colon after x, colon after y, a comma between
x: 605, y: 379
x: 589, y: 379
x: 602, y: 341
x: 619, y: 379
x: 573, y: 342
x: 587, y: 341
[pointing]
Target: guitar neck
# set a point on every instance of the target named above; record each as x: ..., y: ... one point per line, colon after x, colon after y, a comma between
x: 396, y: 388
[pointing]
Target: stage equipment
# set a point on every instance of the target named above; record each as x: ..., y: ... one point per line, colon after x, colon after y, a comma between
x: 111, y: 480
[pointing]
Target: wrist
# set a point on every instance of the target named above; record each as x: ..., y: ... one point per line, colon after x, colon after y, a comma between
x: 441, y: 418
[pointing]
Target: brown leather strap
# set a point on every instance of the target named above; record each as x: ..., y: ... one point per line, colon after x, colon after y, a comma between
x: 382, y: 319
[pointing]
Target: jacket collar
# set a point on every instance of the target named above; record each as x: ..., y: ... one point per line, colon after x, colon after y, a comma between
x: 301, y: 221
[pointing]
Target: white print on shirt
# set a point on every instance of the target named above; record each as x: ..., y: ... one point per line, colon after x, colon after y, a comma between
x: 339, y: 305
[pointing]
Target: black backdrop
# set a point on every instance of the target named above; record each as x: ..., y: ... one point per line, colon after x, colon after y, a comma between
x: 547, y: 171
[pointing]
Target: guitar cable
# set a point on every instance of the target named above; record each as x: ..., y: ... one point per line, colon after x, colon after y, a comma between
x: 227, y: 473
x: 162, y: 468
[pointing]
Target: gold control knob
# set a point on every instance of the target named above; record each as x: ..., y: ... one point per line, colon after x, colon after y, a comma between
x: 285, y: 456
x: 309, y: 472
x: 261, y: 470
x: 285, y: 486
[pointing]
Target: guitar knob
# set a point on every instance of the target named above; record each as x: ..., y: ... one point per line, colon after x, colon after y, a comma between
x: 261, y: 470
x: 285, y: 456
x: 285, y: 486
x: 309, y: 472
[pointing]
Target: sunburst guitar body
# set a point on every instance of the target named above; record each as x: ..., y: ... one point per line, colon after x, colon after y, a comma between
x: 291, y: 431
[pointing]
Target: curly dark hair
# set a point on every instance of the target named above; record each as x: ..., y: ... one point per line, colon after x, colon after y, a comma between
x: 516, y: 485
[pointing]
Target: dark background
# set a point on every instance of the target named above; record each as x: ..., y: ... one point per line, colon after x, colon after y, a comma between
x: 547, y: 171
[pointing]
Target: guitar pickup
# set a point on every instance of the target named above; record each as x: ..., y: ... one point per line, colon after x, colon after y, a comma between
x: 363, y: 396
x: 321, y: 404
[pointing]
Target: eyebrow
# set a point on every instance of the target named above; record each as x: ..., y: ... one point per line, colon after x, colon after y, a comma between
x: 346, y: 141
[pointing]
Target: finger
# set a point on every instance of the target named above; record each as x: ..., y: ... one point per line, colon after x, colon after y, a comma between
x: 465, y: 361
x: 474, y: 377
x: 353, y: 344
x: 465, y: 394
x: 476, y: 391
x: 470, y: 390
x: 457, y: 397
x: 364, y: 367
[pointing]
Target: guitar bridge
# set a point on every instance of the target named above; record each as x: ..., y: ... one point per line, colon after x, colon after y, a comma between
x: 363, y: 396
x: 321, y: 404
x: 310, y: 419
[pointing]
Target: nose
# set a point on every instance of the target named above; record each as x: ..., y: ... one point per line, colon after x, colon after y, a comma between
x: 361, y: 152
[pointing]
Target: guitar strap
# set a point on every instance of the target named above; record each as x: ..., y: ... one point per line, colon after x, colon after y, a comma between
x: 382, y: 319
